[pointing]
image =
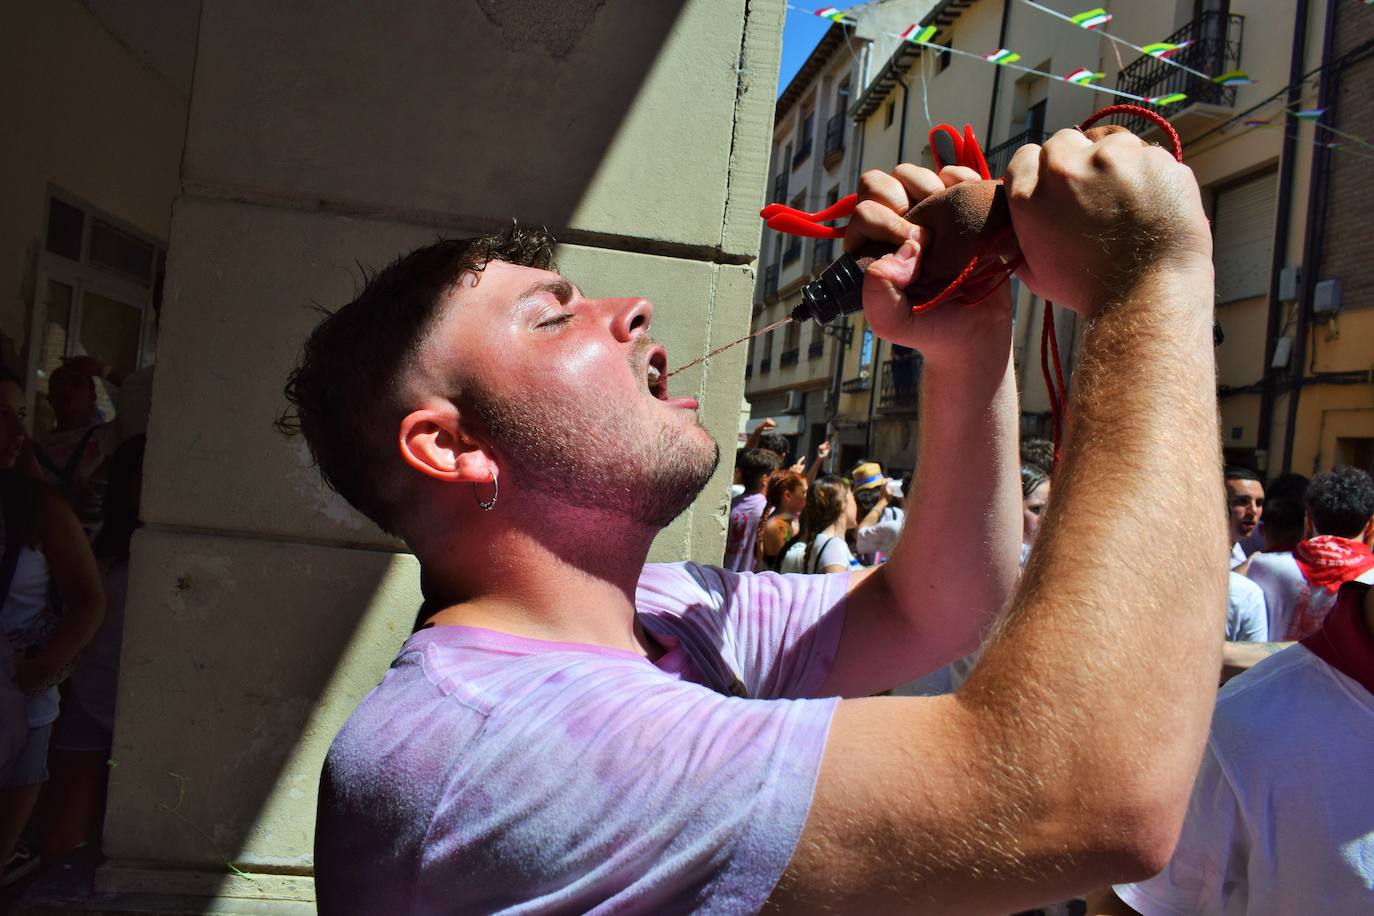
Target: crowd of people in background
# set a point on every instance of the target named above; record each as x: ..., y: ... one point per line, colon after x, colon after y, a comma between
x: 1300, y: 568
x: 69, y: 507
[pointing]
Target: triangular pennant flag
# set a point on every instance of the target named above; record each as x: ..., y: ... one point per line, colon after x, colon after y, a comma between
x: 1310, y: 114
x: 921, y: 36
x: 1171, y: 99
x: 830, y: 13
x: 1002, y: 56
x: 1163, y: 48
x: 1233, y: 78
x: 1091, y: 19
x: 1083, y: 76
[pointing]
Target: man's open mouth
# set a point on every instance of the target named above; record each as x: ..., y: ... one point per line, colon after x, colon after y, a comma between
x: 656, y: 373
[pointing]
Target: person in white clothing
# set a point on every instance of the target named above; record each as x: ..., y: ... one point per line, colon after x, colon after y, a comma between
x: 1300, y: 585
x: 1245, y: 500
x: 44, y: 547
x: 1280, y: 820
x: 820, y: 546
x: 881, y: 516
x: 1246, y: 618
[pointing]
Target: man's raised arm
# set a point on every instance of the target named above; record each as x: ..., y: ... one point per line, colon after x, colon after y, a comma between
x: 953, y: 568
x: 1067, y: 759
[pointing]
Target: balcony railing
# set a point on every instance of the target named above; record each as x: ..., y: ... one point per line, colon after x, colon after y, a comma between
x: 770, y: 283
x: 789, y: 357
x: 802, y: 152
x: 1214, y: 47
x: 834, y: 139
x: 780, y: 188
x: 1000, y: 155
x: 822, y: 253
x: 793, y: 250
x: 765, y: 365
x: 901, y: 382
x: 815, y: 349
x: 854, y: 385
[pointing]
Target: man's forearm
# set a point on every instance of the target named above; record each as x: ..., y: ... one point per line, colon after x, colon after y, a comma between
x: 1066, y: 669
x: 964, y: 513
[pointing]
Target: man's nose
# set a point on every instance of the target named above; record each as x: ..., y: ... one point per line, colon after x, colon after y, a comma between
x: 630, y: 315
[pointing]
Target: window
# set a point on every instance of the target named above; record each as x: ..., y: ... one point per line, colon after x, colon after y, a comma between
x: 866, y: 353
x: 805, y: 136
x: 888, y: 114
x: 1035, y: 117
x: 842, y: 97
x: 1243, y: 237
x: 791, y: 335
x: 97, y: 290
x: 944, y: 57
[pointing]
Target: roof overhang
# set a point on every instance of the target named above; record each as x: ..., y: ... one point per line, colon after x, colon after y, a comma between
x: 815, y: 63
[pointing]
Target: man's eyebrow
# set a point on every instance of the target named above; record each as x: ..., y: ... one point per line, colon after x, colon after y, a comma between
x: 561, y: 289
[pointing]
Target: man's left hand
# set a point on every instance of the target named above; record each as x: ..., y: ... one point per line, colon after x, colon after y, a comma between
x: 947, y: 332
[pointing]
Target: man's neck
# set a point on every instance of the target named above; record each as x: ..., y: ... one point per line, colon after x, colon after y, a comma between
x: 561, y: 579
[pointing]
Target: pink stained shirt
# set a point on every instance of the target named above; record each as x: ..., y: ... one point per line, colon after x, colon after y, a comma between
x: 493, y: 773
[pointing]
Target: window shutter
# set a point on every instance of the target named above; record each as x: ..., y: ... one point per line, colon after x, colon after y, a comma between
x: 1243, y: 238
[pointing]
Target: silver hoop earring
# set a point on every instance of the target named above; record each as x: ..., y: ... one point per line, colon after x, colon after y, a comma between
x: 486, y: 505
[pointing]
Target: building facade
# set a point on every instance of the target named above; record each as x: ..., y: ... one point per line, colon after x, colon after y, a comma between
x: 815, y: 161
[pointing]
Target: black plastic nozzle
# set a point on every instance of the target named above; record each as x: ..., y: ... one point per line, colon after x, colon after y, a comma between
x: 839, y: 290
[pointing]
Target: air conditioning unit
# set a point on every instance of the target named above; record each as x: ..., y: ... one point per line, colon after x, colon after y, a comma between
x: 796, y: 402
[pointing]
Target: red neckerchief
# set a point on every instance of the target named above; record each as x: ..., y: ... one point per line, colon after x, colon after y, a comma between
x: 1344, y: 642
x: 1327, y: 561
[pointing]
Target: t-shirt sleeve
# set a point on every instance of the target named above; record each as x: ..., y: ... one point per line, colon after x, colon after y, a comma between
x: 777, y: 634
x: 1207, y: 869
x: 880, y: 536
x: 612, y: 790
x: 1246, y: 618
x: 834, y: 553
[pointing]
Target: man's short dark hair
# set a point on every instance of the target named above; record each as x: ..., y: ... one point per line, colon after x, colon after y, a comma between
x: 1341, y: 502
x: 344, y: 390
x: 754, y: 464
x: 776, y: 442
x: 1236, y: 472
x: 865, y: 500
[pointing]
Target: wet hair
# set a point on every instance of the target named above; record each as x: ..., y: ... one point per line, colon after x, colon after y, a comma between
x: 1032, y: 476
x: 1289, y: 485
x: 344, y: 391
x: 1282, y: 527
x: 1039, y: 452
x: 776, y: 442
x: 1235, y: 472
x: 121, y: 500
x: 754, y: 465
x: 825, y: 503
x: 1341, y: 502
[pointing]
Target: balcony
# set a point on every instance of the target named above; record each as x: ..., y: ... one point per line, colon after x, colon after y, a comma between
x: 815, y: 349
x: 802, y: 153
x: 793, y: 250
x: 1000, y: 155
x: 856, y: 385
x: 770, y: 283
x: 765, y: 365
x: 822, y: 253
x: 834, y: 140
x: 779, y: 188
x: 789, y: 357
x: 901, y: 382
x: 1215, y: 48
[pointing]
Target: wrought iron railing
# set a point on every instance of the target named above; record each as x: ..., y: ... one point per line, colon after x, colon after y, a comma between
x: 1000, y: 155
x: 834, y: 139
x: 765, y: 365
x: 793, y: 250
x: 1213, y: 47
x: 770, y: 283
x: 854, y: 385
x: 815, y: 349
x: 802, y: 152
x: 789, y: 357
x: 901, y: 381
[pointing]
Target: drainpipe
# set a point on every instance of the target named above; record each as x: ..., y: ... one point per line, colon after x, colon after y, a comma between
x: 1284, y: 204
x: 997, y: 71
x: 1314, y: 238
x: 877, y: 341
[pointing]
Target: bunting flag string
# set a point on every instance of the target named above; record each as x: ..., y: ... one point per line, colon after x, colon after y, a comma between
x: 1081, y: 77
x: 1160, y: 50
x: 1313, y: 114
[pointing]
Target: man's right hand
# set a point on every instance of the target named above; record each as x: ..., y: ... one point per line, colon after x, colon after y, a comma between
x: 1091, y: 217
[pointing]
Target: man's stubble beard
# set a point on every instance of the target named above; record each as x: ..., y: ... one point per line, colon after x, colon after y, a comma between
x: 606, y: 463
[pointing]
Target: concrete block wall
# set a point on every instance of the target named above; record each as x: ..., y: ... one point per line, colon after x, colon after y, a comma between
x: 323, y: 136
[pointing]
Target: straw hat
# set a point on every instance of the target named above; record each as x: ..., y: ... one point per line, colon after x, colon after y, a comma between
x: 867, y: 474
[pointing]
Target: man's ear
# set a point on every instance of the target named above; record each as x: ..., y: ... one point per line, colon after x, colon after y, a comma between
x: 432, y: 442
